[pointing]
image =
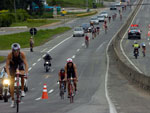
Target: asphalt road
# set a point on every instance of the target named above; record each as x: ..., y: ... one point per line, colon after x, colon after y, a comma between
x: 142, y: 19
x: 91, y: 65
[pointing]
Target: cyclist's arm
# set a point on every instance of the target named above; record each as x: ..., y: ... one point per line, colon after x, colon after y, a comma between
x: 65, y: 72
x: 59, y: 76
x: 75, y: 69
x: 8, y: 63
x: 25, y: 62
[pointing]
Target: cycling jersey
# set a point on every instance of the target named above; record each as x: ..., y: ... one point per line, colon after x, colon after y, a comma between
x: 136, y: 45
x: 86, y: 38
x: 70, y: 71
x: 62, y: 75
x: 16, y: 62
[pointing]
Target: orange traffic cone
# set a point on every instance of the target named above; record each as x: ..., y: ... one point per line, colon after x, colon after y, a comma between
x: 45, y: 94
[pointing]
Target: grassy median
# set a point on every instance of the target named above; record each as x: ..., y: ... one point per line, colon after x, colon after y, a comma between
x: 41, y: 37
x: 34, y: 23
x: 2, y: 58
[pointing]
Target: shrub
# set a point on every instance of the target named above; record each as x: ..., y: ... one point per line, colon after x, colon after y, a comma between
x: 36, y: 21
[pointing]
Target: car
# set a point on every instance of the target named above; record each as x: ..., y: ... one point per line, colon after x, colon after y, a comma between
x: 101, y: 18
x: 104, y: 13
x: 86, y: 27
x: 94, y: 20
x: 113, y: 7
x: 78, y: 31
x: 134, y: 32
x: 117, y: 4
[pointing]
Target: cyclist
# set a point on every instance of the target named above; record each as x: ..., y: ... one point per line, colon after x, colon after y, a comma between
x: 105, y: 27
x: 105, y: 22
x: 109, y: 18
x: 143, y: 48
x: 61, y: 76
x: 16, y: 59
x: 93, y: 33
x: 98, y: 29
x: 120, y: 16
x: 48, y: 58
x: 86, y: 40
x: 71, y: 71
x: 136, y: 47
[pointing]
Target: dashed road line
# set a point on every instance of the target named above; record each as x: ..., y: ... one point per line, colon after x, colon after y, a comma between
x: 100, y: 46
x: 34, y: 64
x: 83, y: 44
x: 73, y: 56
x: 59, y: 43
x: 29, y: 68
x: 78, y: 50
x: 43, y: 50
x: 51, y: 91
x: 39, y: 59
x: 44, y: 55
x: 38, y: 98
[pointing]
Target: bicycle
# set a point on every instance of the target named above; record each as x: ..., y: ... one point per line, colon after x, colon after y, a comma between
x: 87, y: 43
x: 18, y: 89
x: 143, y: 51
x: 62, y: 89
x: 71, y: 90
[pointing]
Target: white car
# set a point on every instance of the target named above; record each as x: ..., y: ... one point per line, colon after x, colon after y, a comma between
x: 94, y: 20
x: 78, y: 31
x: 101, y: 18
x: 105, y: 14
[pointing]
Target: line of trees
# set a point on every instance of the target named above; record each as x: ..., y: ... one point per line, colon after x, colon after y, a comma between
x: 20, y: 4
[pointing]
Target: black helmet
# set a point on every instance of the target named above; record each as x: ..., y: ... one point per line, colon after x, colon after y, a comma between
x: 15, y: 46
x: 62, y: 70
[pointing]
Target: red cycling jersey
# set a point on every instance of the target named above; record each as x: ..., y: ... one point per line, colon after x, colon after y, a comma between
x: 86, y: 38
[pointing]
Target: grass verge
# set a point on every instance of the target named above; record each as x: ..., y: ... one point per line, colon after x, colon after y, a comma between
x: 41, y: 37
x: 34, y: 23
x: 86, y: 14
x: 2, y: 58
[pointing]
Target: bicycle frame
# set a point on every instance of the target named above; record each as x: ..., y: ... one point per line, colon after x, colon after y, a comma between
x: 71, y: 91
x: 62, y: 89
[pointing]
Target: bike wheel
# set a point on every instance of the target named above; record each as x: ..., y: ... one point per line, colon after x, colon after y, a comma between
x: 71, y: 94
x: 17, y: 100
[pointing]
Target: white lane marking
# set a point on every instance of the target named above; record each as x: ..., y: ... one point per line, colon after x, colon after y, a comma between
x: 52, y: 70
x: 100, y: 46
x: 122, y: 47
x: 73, y: 56
x: 43, y: 50
x: 39, y: 59
x: 38, y: 98
x: 29, y: 68
x: 58, y: 82
x: 149, y: 43
x: 112, y: 108
x: 34, y: 64
x: 78, y: 50
x: 59, y: 43
x: 51, y: 91
x: 44, y: 55
x: 83, y: 44
x: 148, y: 38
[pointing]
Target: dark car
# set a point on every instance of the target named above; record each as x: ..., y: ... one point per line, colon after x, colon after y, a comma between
x: 134, y: 32
x: 86, y: 27
x: 113, y: 7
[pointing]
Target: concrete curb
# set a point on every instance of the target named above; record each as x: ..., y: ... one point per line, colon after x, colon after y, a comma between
x: 129, y: 72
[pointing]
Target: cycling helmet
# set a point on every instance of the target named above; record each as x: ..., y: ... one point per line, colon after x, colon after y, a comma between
x: 62, y: 70
x: 135, y: 42
x: 69, y: 60
x: 15, y: 46
x: 143, y: 44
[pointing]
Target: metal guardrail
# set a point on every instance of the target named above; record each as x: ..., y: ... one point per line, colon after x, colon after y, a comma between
x: 131, y: 74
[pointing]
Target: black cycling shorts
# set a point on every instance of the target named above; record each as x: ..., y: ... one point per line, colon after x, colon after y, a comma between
x: 71, y: 75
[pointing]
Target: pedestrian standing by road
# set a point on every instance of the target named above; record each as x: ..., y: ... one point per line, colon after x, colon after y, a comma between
x: 31, y: 44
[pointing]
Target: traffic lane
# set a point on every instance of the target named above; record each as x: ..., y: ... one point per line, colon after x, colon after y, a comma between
x: 103, y: 38
x: 143, y: 21
x: 88, y: 73
x: 98, y: 43
x: 129, y: 99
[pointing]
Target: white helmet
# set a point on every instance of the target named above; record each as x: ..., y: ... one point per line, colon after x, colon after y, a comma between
x: 15, y: 46
x: 143, y: 44
x: 69, y: 60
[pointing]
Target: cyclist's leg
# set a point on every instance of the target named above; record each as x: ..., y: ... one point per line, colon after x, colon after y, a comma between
x: 22, y: 83
x: 12, y: 79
